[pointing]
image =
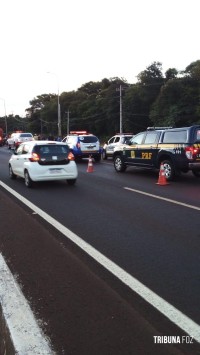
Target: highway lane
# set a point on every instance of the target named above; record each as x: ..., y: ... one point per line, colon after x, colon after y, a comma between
x: 154, y: 240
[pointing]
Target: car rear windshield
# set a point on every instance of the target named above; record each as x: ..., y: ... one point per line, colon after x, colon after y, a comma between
x: 26, y: 135
x: 88, y: 139
x: 51, y: 149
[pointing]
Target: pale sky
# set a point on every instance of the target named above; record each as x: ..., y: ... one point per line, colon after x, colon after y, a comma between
x: 88, y: 40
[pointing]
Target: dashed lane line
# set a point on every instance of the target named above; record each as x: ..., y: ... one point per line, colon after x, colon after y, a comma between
x: 163, y: 198
x: 173, y: 314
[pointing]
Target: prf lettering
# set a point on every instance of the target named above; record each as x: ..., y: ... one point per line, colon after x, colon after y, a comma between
x: 146, y: 155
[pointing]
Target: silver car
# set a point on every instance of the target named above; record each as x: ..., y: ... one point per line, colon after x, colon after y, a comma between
x: 17, y: 138
x: 113, y: 142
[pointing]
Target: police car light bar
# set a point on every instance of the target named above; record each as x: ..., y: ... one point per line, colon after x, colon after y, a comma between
x: 78, y: 132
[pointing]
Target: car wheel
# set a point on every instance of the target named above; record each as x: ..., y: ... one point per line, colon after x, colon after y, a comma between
x: 27, y: 179
x: 169, y: 170
x: 104, y: 155
x: 119, y: 164
x: 11, y: 174
x: 196, y: 173
x: 71, y: 181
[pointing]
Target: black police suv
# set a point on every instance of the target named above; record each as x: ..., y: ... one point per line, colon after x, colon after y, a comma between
x: 177, y: 148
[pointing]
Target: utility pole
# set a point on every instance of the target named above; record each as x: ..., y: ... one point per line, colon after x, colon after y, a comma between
x: 59, y: 118
x: 68, y: 122
x: 5, y: 116
x: 67, y: 112
x: 120, y: 109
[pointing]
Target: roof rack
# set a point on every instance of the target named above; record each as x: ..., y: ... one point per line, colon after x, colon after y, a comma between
x: 124, y: 133
x: 154, y: 128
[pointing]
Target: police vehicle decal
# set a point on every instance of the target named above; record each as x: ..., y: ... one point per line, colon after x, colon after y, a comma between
x: 147, y: 155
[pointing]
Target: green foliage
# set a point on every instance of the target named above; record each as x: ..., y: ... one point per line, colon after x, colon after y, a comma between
x: 155, y: 99
x: 178, y: 103
x: 193, y: 70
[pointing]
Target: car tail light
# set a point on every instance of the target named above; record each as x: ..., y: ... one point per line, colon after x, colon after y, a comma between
x: 191, y: 152
x: 34, y: 157
x: 70, y: 156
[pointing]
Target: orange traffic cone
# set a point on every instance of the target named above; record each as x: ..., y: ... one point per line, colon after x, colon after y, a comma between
x: 162, y: 178
x: 90, y: 167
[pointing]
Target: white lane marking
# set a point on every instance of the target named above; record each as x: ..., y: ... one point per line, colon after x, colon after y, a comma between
x: 26, y: 336
x: 163, y: 198
x: 173, y: 314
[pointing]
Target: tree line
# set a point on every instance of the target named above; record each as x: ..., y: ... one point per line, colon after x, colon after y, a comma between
x: 156, y: 99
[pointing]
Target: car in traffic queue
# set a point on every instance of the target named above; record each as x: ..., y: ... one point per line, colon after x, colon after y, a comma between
x: 17, y: 138
x: 1, y: 137
x: 177, y: 149
x: 113, y: 142
x: 43, y: 161
x: 83, y: 145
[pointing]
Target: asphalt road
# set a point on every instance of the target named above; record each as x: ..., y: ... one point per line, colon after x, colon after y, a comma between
x: 151, y: 232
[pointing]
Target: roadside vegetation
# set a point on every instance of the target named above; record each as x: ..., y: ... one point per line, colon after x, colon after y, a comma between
x: 156, y: 99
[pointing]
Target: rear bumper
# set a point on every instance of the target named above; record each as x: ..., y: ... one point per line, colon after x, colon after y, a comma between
x: 60, y: 172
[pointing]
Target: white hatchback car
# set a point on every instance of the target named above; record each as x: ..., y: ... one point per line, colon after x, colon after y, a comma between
x: 43, y: 161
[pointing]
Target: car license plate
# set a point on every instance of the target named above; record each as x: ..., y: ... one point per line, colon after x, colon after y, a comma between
x: 90, y: 151
x: 55, y: 171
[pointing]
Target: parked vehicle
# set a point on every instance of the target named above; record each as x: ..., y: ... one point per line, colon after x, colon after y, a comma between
x: 83, y: 145
x: 177, y: 148
x: 17, y: 138
x: 113, y: 142
x: 43, y: 161
x: 1, y: 137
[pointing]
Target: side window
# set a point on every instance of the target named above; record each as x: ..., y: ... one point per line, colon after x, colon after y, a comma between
x: 111, y: 140
x: 25, y: 149
x: 198, y: 135
x: 175, y: 136
x: 19, y: 150
x: 117, y: 139
x: 137, y: 139
x: 151, y: 137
